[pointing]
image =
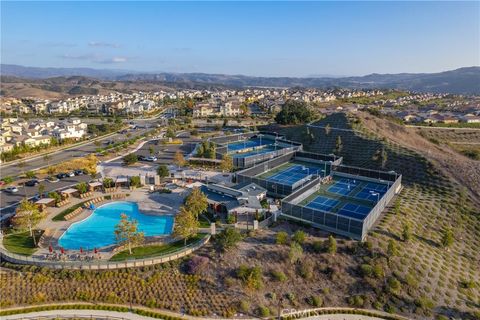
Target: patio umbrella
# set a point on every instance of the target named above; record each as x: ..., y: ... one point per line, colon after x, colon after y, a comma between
x: 50, y: 248
x: 81, y: 250
x: 62, y: 250
x: 95, y: 250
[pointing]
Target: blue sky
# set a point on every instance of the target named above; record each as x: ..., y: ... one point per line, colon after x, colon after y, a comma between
x: 251, y: 38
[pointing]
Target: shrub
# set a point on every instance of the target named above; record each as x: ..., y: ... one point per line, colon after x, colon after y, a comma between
x: 228, y: 238
x: 305, y: 269
x: 299, y: 237
x: 197, y: 265
x: 282, y: 237
x: 135, y: 181
x: 295, y: 253
x: 244, y: 306
x: 393, y: 285
x: 318, y: 246
x: 130, y: 159
x: 331, y: 245
x: 279, y: 275
x: 263, y: 311
x: 315, y: 301
x: 366, y: 270
x: 250, y: 277
x: 356, y: 301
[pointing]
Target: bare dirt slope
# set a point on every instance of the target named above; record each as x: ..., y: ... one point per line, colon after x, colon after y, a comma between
x: 461, y: 169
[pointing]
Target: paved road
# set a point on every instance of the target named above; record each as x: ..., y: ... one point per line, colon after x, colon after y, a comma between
x: 9, y: 200
x: 164, y: 153
x: 74, y: 152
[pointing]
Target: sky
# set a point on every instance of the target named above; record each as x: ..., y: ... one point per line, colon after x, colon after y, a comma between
x: 250, y: 38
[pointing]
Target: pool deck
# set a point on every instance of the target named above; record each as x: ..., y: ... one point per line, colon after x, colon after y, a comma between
x: 149, y: 203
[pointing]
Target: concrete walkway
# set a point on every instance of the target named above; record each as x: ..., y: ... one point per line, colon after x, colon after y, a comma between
x: 75, y: 314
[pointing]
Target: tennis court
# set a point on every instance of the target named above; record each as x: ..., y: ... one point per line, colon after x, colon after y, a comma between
x: 372, y: 191
x: 343, y: 186
x: 322, y: 203
x: 254, y: 152
x: 354, y: 211
x: 247, y: 144
x: 292, y: 174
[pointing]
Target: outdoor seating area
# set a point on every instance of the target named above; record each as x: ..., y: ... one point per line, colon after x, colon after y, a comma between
x: 62, y: 203
x: 73, y: 214
x: 69, y: 192
x: 86, y: 195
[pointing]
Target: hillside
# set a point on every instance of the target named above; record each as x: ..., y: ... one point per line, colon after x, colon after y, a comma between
x: 459, y: 81
x: 433, y: 200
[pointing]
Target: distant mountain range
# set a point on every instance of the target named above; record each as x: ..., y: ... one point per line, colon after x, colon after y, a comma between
x: 459, y: 81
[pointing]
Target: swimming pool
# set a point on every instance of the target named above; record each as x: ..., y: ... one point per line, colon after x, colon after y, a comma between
x: 97, y: 230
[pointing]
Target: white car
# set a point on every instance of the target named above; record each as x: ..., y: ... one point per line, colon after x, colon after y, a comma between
x: 151, y: 159
x: 11, y: 189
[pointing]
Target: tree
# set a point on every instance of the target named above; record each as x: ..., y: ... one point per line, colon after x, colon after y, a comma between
x: 228, y: 238
x: 186, y: 224
x: 447, y: 238
x: 299, y: 237
x: 127, y: 233
x: 30, y: 174
x: 328, y: 129
x: 295, y: 253
x: 392, y: 249
x: 331, y: 245
x: 406, y: 232
x: 162, y: 171
x: 130, y: 159
x: 27, y: 217
x: 384, y: 157
x: 338, y: 144
x: 227, y: 163
x: 196, y: 202
x: 170, y: 133
x: 178, y: 159
x: 108, y: 182
x: 151, y: 150
x: 135, y: 181
x: 47, y: 159
x: 82, y: 187
x: 41, y: 189
x: 294, y: 112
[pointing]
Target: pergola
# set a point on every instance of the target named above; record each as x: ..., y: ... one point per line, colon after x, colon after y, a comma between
x: 95, y: 185
x: 45, y: 202
x: 69, y: 192
x: 121, y: 181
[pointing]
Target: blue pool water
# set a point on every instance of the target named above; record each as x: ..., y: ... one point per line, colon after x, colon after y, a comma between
x: 97, y: 230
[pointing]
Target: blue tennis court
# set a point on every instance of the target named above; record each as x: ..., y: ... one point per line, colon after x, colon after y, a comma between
x: 246, y: 144
x: 343, y: 186
x: 293, y: 174
x: 354, y: 211
x: 322, y: 203
x: 372, y: 191
x: 254, y: 152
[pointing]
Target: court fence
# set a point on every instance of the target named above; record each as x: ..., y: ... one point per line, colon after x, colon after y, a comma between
x: 277, y: 189
x: 284, y: 146
x: 339, y: 224
x: 99, y: 264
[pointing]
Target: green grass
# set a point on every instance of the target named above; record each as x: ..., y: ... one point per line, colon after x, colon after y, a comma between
x: 204, y: 222
x: 21, y: 242
x: 61, y: 215
x: 154, y: 250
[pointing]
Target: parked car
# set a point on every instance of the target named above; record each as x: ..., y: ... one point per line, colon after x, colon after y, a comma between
x: 32, y: 183
x: 141, y: 158
x: 62, y: 175
x: 78, y: 172
x: 52, y: 179
x: 70, y: 174
x: 11, y: 189
x: 151, y: 159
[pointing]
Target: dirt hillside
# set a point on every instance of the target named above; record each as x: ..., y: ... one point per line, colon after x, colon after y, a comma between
x: 461, y: 169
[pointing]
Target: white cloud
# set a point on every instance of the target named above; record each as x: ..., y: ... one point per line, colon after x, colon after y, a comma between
x: 101, y: 44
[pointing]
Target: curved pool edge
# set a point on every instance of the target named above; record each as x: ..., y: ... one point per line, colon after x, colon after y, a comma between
x: 112, y: 246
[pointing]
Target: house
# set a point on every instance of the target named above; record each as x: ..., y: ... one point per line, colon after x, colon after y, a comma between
x: 470, y: 118
x: 239, y: 199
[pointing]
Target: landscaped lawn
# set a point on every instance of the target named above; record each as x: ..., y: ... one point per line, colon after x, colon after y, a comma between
x: 21, y: 242
x: 154, y: 250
